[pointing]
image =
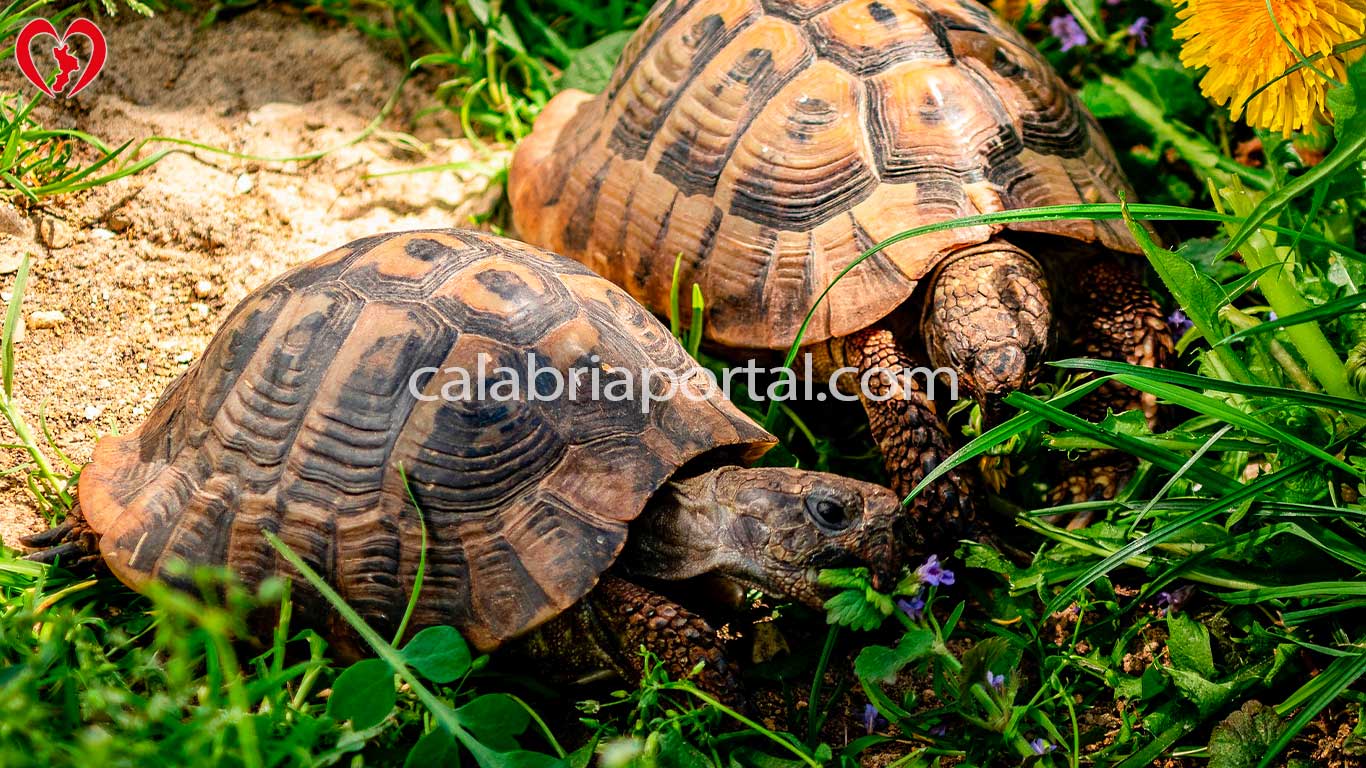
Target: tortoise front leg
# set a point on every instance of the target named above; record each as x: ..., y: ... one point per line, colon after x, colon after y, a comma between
x: 911, y: 435
x: 604, y: 633
x: 1116, y: 319
x: 633, y: 616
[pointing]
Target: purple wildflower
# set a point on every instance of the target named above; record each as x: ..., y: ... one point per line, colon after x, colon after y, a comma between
x: 1179, y: 322
x: 934, y: 574
x: 939, y: 730
x: 914, y: 608
x: 1042, y: 747
x: 872, y: 719
x: 1272, y: 316
x: 1068, y: 31
x: 1171, y: 602
x: 1139, y: 30
x: 996, y: 681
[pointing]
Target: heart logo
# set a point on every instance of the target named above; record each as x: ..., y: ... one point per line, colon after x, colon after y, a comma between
x: 67, y: 63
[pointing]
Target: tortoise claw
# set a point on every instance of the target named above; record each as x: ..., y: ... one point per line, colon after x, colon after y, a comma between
x: 49, y: 538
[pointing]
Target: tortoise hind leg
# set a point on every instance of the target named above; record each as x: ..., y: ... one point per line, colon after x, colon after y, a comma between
x: 1116, y: 319
x: 606, y: 630
x: 73, y: 544
x: 912, y: 437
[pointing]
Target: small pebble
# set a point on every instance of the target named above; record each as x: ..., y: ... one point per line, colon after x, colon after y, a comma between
x: 100, y: 233
x: 203, y: 289
x: 201, y: 308
x: 10, y: 262
x: 184, y: 357
x: 93, y: 412
x: 119, y: 221
x: 244, y: 184
x: 47, y: 318
x: 55, y: 233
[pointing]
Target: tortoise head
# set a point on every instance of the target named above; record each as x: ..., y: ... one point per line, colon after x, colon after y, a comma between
x: 988, y: 315
x: 771, y: 528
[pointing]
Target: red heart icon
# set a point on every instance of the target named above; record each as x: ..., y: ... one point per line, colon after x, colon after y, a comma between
x: 81, y: 27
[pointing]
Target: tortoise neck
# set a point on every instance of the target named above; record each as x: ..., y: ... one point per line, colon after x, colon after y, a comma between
x: 682, y: 531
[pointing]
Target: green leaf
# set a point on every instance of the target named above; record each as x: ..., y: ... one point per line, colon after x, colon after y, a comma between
x: 439, y: 654
x: 1244, y: 736
x: 849, y: 609
x: 436, y: 747
x: 1345, y: 103
x: 881, y: 664
x: 495, y: 718
x: 1206, y: 695
x: 1189, y: 646
x: 590, y: 69
x: 364, y: 694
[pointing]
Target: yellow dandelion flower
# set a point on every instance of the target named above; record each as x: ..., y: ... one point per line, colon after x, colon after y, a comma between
x: 1238, y: 41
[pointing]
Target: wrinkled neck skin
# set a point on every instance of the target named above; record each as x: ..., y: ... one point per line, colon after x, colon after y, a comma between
x: 750, y: 526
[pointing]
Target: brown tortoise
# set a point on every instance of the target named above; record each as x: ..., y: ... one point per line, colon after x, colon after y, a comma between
x: 770, y: 143
x: 304, y: 412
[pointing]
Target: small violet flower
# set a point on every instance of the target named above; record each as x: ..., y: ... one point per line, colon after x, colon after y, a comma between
x: 1171, y: 602
x: 996, y: 681
x: 1042, y: 747
x: 914, y: 608
x: 1179, y: 322
x: 1068, y: 31
x: 872, y: 719
x: 939, y: 730
x: 1139, y: 30
x: 933, y: 574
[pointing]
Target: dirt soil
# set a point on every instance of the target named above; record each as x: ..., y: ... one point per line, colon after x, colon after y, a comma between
x: 144, y: 269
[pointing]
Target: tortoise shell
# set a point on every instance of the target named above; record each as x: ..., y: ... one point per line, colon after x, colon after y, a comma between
x: 771, y: 142
x: 300, y: 419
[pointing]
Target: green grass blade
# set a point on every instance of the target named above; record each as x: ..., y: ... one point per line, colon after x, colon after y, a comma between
x: 12, y: 317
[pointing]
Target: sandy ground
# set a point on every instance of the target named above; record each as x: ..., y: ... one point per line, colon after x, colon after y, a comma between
x: 143, y: 270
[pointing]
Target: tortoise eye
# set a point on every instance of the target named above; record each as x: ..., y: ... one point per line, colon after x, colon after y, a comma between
x: 829, y: 513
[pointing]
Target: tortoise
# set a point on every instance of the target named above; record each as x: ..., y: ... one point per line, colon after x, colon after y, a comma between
x: 770, y: 143
x: 322, y: 402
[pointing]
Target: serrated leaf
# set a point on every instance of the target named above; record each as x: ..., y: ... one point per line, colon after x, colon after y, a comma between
x: 364, y: 694
x: 590, y: 68
x: 1205, y: 694
x: 439, y: 654
x: 882, y: 664
x: 1189, y: 645
x: 849, y: 609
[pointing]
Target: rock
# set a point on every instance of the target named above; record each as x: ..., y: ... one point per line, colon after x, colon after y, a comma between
x: 100, y: 233
x: 119, y: 221
x: 47, y: 318
x: 10, y: 261
x: 55, y: 233
x: 203, y: 289
x: 12, y: 222
x: 93, y: 412
x: 200, y: 308
x: 244, y: 184
x: 184, y: 357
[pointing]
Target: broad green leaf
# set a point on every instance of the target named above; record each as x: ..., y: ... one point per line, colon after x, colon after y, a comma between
x: 436, y: 747
x: 439, y: 654
x: 881, y: 664
x: 1189, y: 646
x: 364, y: 694
x: 1244, y: 736
x: 495, y: 719
x: 591, y: 67
x: 1206, y: 695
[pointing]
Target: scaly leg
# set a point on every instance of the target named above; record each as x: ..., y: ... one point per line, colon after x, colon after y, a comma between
x: 912, y: 437
x: 605, y: 632
x: 1117, y: 320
